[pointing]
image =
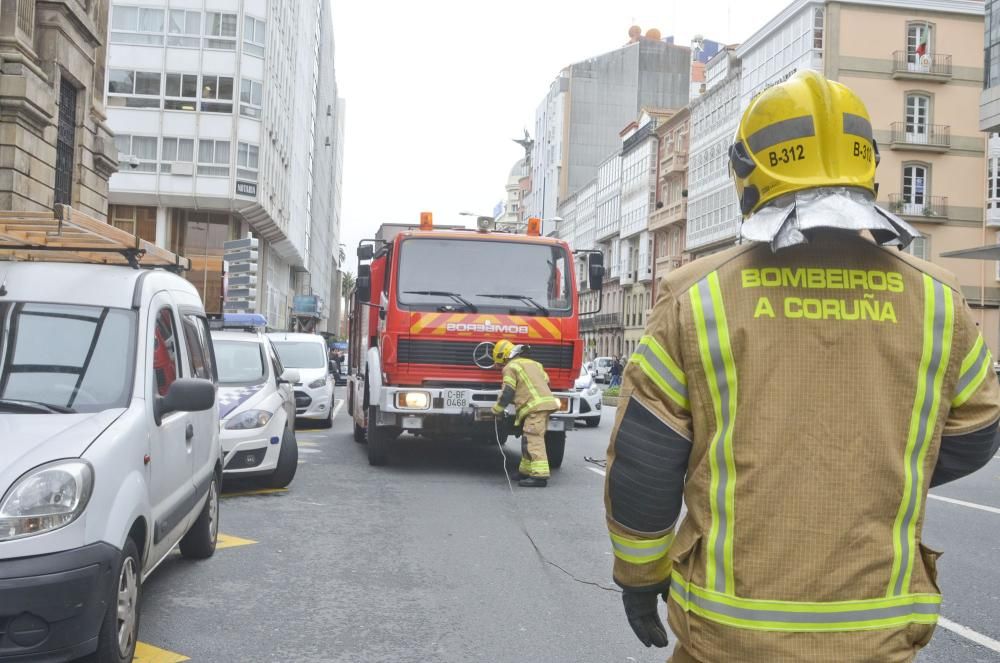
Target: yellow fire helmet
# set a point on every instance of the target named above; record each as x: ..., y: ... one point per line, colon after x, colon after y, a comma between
x: 501, y: 351
x: 803, y: 133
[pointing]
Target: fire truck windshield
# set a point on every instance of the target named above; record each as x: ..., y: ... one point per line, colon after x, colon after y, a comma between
x: 496, y: 276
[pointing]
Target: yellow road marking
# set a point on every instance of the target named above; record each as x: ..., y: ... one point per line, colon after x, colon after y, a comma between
x: 229, y: 541
x: 149, y: 654
x: 253, y: 493
x: 306, y: 443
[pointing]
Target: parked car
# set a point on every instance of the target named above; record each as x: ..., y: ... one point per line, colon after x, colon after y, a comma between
x: 110, y: 453
x: 602, y: 369
x: 307, y: 354
x: 590, y: 398
x: 256, y: 408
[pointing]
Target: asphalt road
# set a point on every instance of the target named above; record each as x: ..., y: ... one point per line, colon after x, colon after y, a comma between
x: 428, y: 560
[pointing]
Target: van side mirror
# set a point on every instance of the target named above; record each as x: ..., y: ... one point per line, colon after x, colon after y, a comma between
x: 184, y: 395
x: 366, y: 252
x: 290, y: 376
x: 363, y: 282
x: 595, y: 269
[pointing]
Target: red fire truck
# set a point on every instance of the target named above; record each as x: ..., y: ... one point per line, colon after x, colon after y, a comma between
x: 427, y: 308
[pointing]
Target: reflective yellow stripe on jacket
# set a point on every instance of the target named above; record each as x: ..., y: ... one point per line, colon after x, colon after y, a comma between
x: 662, y: 370
x: 939, y: 315
x: 975, y: 367
x: 720, y: 371
x: 537, y: 399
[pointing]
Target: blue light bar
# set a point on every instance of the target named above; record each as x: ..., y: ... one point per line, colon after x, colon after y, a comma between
x: 243, y: 320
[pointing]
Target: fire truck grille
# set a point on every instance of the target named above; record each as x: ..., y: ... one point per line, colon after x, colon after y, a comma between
x: 459, y: 353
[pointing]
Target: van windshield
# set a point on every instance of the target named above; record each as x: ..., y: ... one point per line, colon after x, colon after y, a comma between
x: 299, y: 354
x: 65, y: 357
x: 240, y: 362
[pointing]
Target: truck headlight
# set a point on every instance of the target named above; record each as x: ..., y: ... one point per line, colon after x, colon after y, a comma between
x: 249, y: 419
x: 317, y: 383
x: 46, y: 498
x: 413, y: 400
x: 565, y: 404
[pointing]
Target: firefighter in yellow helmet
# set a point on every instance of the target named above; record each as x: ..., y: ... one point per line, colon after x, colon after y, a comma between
x: 799, y: 393
x: 526, y: 386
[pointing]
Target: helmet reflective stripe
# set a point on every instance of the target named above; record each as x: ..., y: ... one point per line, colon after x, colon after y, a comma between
x: 857, y: 126
x: 782, y: 132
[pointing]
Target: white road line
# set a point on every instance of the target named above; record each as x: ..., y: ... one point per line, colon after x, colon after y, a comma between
x: 969, y: 634
x: 971, y: 505
x: 597, y: 471
x: 340, y: 404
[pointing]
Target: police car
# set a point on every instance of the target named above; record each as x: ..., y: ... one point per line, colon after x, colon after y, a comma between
x: 256, y: 404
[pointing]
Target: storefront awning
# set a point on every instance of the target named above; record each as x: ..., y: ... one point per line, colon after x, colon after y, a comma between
x: 988, y: 252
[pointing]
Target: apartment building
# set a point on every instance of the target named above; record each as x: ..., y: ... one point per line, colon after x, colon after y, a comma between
x: 226, y: 121
x: 668, y: 220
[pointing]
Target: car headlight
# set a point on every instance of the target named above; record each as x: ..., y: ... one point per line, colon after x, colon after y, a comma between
x: 317, y: 383
x: 249, y: 419
x: 46, y: 498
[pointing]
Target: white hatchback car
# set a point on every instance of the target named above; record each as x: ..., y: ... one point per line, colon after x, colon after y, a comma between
x: 590, y: 398
x: 307, y: 354
x: 109, y: 451
x: 256, y: 408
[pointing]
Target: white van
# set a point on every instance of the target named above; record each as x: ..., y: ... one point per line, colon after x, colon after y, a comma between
x: 307, y: 354
x: 110, y: 451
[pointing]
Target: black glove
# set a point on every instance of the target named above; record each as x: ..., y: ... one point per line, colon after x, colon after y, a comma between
x: 641, y: 611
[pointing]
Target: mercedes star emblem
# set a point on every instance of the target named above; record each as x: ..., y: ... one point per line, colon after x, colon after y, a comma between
x: 482, y: 356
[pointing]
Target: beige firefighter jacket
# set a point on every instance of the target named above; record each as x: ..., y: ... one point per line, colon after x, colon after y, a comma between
x: 800, y: 402
x: 526, y: 384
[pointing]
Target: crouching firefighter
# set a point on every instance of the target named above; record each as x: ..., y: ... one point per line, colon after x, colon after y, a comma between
x: 526, y: 385
x: 800, y: 393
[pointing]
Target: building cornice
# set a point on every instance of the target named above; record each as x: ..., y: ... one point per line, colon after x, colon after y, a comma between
x: 964, y: 7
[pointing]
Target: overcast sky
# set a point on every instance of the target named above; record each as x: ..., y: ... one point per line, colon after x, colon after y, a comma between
x: 437, y: 89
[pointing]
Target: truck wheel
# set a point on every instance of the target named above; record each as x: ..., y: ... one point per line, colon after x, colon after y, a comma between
x: 555, y: 447
x: 288, y: 461
x: 378, y: 441
x: 199, y: 542
x: 120, y: 628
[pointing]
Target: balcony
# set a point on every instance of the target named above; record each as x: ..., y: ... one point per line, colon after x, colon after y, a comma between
x: 670, y: 213
x: 920, y: 137
x: 675, y: 162
x: 600, y: 321
x: 993, y: 214
x: 929, y: 67
x: 933, y: 209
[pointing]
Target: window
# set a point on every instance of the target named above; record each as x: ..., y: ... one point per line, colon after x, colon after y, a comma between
x: 65, y: 142
x: 915, y: 188
x: 246, y: 161
x: 137, y: 25
x: 219, y: 89
x: 184, y: 28
x: 917, y: 114
x: 251, y: 98
x: 176, y: 150
x: 220, y: 29
x: 993, y: 183
x: 213, y: 157
x: 133, y: 89
x: 920, y: 247
x: 818, y: 28
x: 138, y: 221
x: 142, y: 148
x: 181, y: 92
x: 253, y: 36
x: 196, y: 335
x: 918, y: 44
x: 165, y: 354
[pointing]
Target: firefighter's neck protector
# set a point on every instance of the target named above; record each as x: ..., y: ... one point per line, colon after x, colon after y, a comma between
x: 783, y: 221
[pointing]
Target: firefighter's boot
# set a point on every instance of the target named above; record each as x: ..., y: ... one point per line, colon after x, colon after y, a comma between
x: 533, y: 482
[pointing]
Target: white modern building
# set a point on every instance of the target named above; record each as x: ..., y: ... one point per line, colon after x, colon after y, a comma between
x: 713, y: 213
x: 228, y: 126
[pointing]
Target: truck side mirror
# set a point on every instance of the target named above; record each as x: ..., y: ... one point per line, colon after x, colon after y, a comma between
x: 366, y: 252
x: 363, y: 282
x: 595, y: 269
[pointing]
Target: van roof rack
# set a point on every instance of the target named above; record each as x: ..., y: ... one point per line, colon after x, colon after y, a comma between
x: 68, y: 235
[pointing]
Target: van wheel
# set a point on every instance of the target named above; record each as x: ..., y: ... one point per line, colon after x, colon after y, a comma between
x: 378, y: 441
x: 120, y: 629
x: 199, y: 542
x: 555, y: 448
x: 288, y: 461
